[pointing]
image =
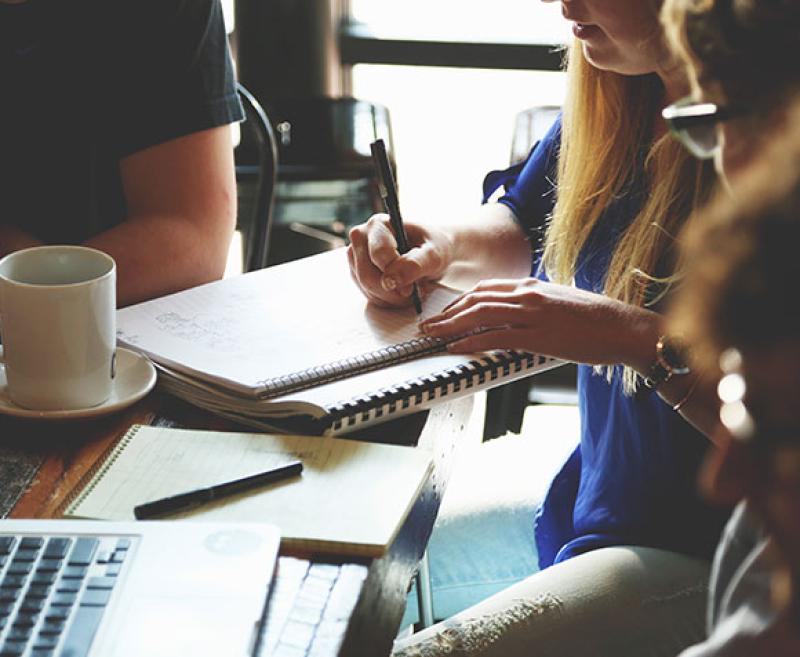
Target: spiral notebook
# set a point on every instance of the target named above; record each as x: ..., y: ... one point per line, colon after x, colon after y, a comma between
x: 297, y: 348
x: 351, y: 498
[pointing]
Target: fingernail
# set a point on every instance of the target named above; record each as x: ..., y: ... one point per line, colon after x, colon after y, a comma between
x: 388, y: 283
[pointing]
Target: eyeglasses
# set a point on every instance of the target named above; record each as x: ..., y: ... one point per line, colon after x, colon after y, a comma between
x: 695, y: 124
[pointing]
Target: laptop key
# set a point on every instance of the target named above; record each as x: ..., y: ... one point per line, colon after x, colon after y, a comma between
x: 101, y: 582
x: 52, y: 626
x: 12, y: 649
x: 96, y: 597
x: 19, y: 568
x: 104, y: 556
x: 31, y: 543
x: 9, y: 595
x: 38, y: 591
x: 19, y: 633
x: 56, y: 613
x: 57, y: 548
x: 6, y: 543
x: 46, y: 641
x: 74, y: 572
x: 43, y: 652
x: 32, y: 605
x: 13, y: 581
x: 25, y: 619
x: 63, y: 599
x: 25, y: 555
x: 48, y: 566
x: 113, y: 569
x: 43, y: 578
x: 69, y: 586
x: 81, y: 632
x: 83, y: 552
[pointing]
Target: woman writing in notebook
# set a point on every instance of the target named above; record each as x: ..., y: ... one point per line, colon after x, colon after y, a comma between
x: 623, y: 539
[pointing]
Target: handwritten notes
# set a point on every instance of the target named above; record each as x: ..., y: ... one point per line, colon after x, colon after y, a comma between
x: 270, y: 323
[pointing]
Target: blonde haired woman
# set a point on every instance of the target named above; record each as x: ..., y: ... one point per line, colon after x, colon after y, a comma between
x: 623, y: 539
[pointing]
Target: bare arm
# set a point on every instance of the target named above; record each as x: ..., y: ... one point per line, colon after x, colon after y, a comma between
x: 488, y: 244
x: 573, y: 324
x: 181, y: 199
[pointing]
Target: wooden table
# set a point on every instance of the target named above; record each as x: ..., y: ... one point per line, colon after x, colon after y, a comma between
x: 61, y: 453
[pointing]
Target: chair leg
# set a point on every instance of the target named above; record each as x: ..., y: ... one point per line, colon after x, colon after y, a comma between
x: 424, y: 594
x: 505, y: 406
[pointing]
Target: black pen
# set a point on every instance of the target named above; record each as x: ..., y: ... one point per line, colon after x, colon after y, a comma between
x: 193, y: 498
x: 388, y: 191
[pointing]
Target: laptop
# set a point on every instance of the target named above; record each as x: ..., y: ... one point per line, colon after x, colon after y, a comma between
x: 76, y: 588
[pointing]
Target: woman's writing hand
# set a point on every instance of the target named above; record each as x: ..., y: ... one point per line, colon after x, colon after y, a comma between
x: 547, y: 318
x: 385, y: 276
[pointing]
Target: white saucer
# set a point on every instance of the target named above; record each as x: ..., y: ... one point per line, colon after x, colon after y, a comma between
x: 135, y: 377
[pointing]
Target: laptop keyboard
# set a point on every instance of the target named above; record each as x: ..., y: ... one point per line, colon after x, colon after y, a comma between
x: 54, y: 591
x: 310, y: 607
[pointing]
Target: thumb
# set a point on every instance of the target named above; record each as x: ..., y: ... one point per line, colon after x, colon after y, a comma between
x: 422, y: 262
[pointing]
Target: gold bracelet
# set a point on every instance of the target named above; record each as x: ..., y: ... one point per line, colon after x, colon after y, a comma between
x: 679, y: 405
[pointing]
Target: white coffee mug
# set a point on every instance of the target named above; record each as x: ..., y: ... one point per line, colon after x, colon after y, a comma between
x: 58, y: 326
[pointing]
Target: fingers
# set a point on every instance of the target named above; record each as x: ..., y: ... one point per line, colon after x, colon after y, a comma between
x: 482, y: 304
x: 501, y: 338
x: 380, y: 241
x: 383, y: 275
x: 364, y: 287
x: 483, y: 316
x: 372, y: 248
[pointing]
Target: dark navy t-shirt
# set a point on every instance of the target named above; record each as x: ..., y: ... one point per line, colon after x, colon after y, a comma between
x: 86, y: 83
x: 632, y: 480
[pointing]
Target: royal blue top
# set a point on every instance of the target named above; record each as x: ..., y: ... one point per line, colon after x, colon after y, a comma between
x: 632, y: 479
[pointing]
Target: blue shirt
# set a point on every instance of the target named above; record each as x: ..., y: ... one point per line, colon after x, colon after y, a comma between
x: 632, y: 479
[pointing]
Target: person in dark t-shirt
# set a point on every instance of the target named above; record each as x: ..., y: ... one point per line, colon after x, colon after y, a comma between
x: 114, y: 133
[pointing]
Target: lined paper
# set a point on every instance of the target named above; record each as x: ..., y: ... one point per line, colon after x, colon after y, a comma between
x: 351, y: 498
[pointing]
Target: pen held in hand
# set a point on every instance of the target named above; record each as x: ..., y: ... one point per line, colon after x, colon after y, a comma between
x: 388, y: 192
x: 199, y: 496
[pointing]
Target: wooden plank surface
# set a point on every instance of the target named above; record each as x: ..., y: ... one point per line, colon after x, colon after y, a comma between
x: 65, y: 452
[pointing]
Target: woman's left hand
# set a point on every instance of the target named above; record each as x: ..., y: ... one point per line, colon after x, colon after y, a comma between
x: 547, y: 318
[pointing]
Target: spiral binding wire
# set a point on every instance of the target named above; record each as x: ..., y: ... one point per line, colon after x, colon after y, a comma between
x: 419, y: 391
x: 95, y: 474
x: 373, y: 360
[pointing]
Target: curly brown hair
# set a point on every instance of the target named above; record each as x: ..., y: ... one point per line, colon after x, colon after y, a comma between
x: 747, y: 47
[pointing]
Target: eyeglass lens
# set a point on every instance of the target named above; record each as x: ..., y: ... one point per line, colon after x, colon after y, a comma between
x: 701, y: 140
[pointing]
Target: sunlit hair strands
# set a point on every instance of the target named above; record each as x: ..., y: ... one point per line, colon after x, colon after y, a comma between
x: 608, y: 130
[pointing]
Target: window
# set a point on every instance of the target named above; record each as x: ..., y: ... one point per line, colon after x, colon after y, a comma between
x: 452, y: 125
x: 523, y: 21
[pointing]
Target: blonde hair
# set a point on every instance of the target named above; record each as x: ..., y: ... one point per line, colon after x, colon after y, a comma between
x: 607, y: 137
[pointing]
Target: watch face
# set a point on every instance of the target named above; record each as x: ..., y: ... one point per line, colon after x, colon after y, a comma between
x: 673, y: 356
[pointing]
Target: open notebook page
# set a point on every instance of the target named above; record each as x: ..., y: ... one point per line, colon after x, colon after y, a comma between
x: 269, y: 323
x: 351, y: 497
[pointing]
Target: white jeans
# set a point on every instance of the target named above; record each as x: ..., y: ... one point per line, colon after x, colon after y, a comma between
x: 610, y: 602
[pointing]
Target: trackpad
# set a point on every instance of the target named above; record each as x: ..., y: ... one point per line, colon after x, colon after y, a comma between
x: 161, y: 626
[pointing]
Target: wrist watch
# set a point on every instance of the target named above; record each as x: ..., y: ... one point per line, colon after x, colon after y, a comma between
x: 671, y: 358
